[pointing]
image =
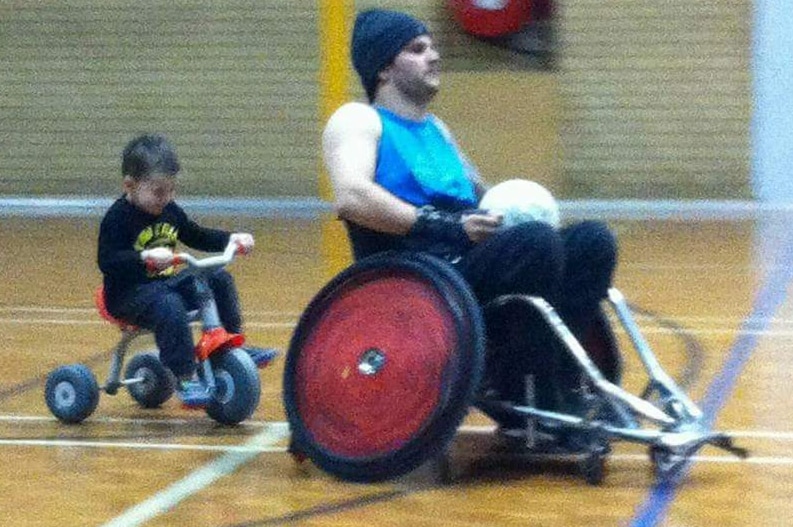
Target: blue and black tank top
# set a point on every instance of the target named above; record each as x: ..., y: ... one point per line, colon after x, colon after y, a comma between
x: 419, y: 162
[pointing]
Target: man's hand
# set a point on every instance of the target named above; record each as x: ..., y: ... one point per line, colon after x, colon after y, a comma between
x: 244, y: 242
x: 480, y: 225
x: 157, y: 259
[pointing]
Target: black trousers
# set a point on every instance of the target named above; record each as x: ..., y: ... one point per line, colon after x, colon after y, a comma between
x: 571, y: 268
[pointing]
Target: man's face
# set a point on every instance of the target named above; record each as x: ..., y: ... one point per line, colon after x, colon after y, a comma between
x: 416, y: 69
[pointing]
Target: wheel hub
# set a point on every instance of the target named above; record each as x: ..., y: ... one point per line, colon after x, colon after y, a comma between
x: 371, y: 361
x: 65, y: 394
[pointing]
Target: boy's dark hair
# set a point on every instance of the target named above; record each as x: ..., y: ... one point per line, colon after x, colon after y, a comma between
x: 149, y: 154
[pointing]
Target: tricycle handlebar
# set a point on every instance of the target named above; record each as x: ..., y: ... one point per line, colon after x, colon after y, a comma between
x: 218, y: 260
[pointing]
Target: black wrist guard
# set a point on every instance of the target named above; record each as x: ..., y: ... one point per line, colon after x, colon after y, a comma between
x: 437, y: 227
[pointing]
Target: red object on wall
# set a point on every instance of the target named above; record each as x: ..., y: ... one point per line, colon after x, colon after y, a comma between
x: 491, y: 18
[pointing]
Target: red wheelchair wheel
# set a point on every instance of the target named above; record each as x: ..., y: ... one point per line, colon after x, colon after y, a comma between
x: 383, y: 366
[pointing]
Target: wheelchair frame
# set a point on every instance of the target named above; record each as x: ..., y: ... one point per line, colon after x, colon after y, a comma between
x: 663, y: 417
x: 680, y: 425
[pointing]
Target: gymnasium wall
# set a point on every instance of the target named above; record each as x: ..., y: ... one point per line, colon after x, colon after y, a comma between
x: 656, y: 98
x: 233, y: 83
x: 640, y: 99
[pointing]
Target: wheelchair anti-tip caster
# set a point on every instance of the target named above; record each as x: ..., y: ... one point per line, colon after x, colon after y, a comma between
x: 593, y: 468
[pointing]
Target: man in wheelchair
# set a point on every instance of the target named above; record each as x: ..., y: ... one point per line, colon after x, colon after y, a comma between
x: 401, y: 183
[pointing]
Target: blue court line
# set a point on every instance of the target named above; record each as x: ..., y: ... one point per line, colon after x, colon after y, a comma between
x: 769, y: 299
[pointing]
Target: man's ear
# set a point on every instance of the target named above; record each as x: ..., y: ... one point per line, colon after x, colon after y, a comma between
x: 384, y: 74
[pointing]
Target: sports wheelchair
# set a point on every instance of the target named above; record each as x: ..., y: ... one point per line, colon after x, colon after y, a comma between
x: 389, y: 356
x: 228, y: 373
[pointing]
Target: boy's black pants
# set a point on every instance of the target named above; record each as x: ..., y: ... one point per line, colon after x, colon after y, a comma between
x: 163, y: 307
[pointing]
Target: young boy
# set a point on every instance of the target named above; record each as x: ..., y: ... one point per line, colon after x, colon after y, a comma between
x: 136, y: 241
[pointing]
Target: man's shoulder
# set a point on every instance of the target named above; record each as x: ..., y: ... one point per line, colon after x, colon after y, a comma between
x: 354, y: 116
x: 353, y: 123
x: 355, y: 108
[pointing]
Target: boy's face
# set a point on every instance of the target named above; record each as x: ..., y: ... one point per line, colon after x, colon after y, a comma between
x: 151, y: 194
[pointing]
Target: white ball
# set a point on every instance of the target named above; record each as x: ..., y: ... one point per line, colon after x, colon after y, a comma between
x: 521, y: 200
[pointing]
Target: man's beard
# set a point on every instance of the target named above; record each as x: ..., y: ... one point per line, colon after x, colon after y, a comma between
x: 420, y: 92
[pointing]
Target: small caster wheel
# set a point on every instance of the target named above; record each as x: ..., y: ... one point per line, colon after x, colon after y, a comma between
x: 443, y: 465
x: 297, y: 455
x: 666, y: 465
x: 594, y: 468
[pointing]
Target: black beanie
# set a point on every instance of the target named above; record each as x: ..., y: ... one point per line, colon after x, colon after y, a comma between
x: 378, y: 36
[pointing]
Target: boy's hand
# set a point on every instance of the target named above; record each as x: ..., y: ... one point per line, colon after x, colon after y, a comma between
x: 244, y: 241
x: 157, y: 259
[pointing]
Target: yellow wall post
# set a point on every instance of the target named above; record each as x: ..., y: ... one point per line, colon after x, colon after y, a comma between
x: 334, y: 80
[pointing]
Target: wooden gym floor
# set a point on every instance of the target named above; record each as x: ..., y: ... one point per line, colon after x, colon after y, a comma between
x: 710, y: 298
